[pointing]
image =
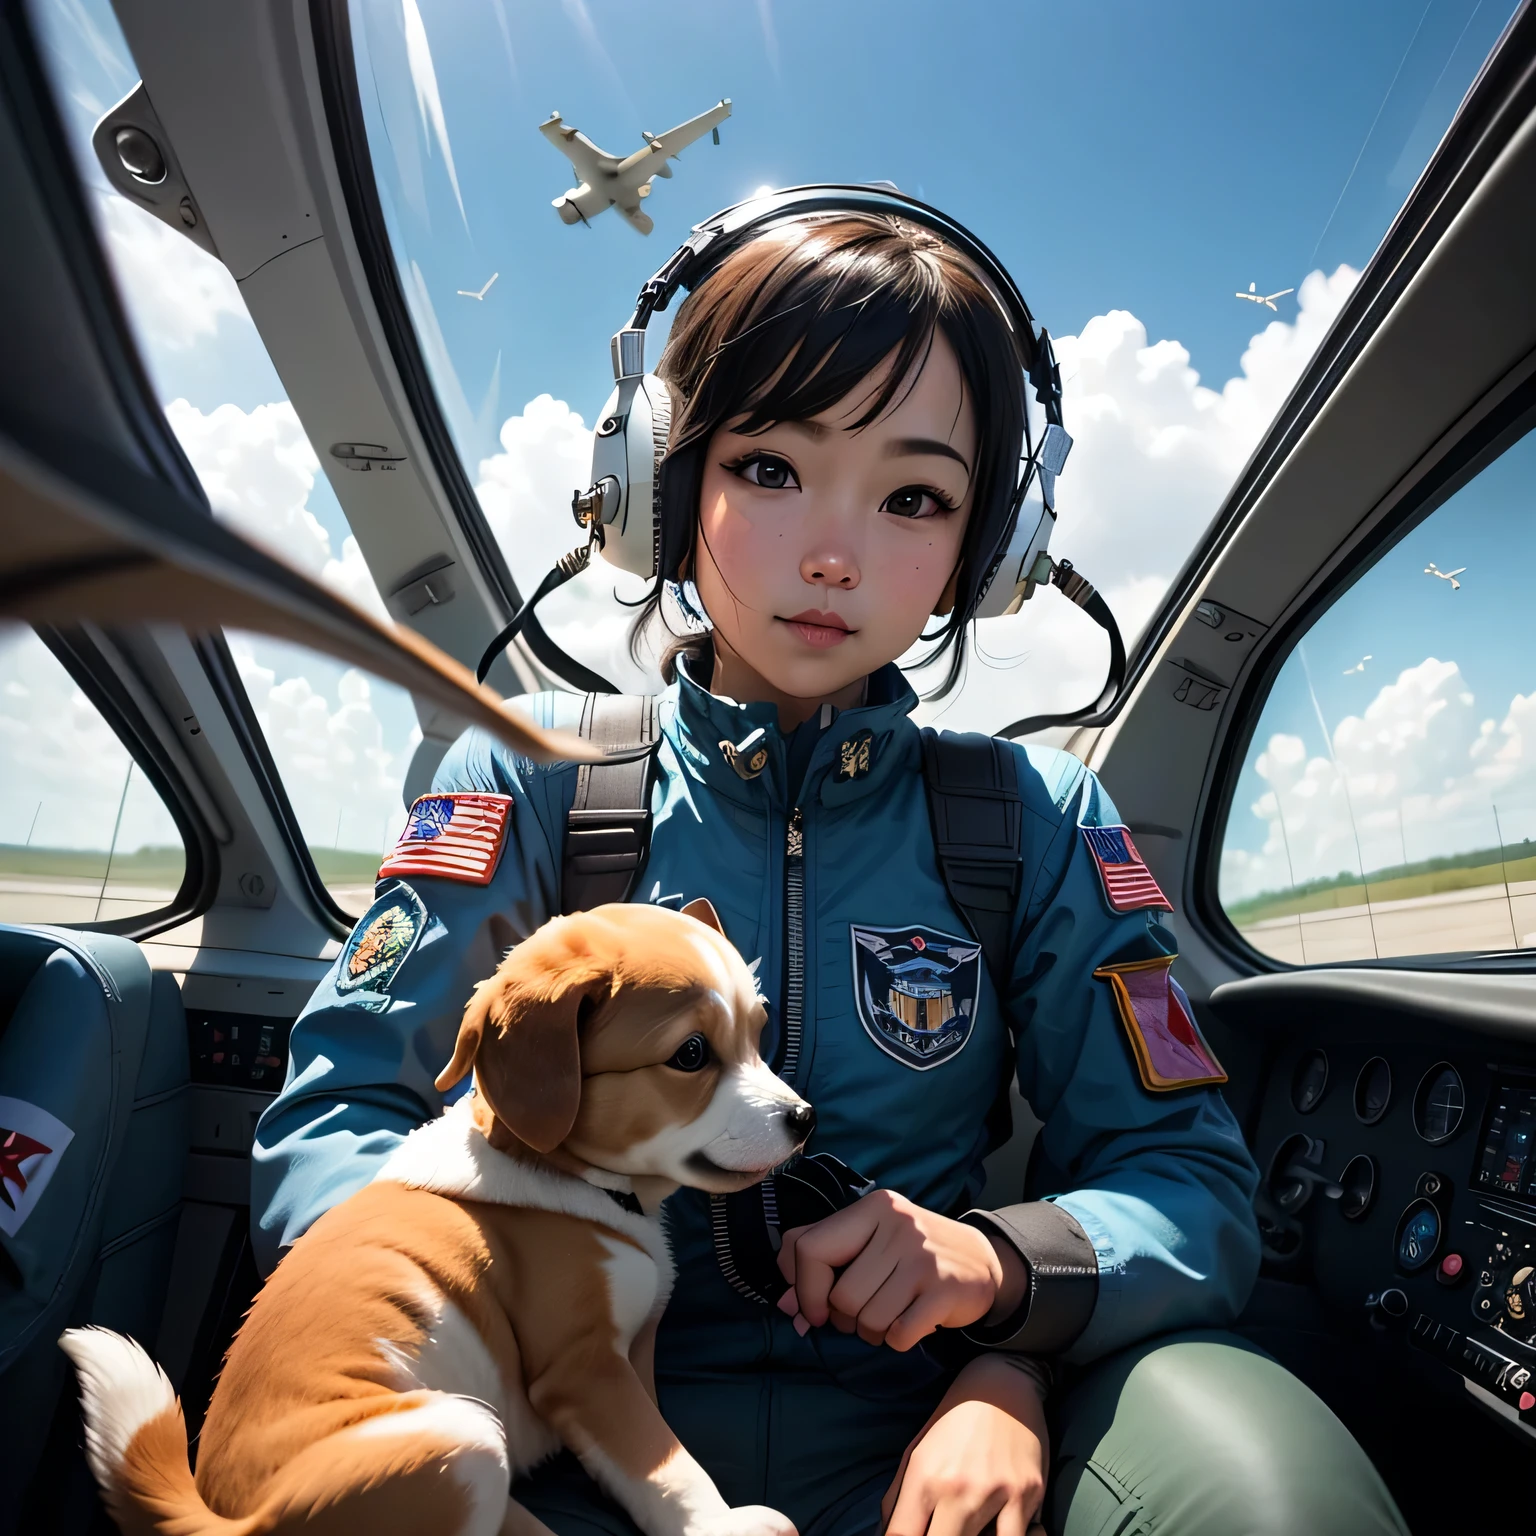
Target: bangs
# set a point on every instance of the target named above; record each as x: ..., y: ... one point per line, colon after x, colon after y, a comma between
x: 806, y: 315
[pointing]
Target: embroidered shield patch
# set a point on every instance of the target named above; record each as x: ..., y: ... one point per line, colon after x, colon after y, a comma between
x: 1160, y: 1024
x: 379, y: 946
x: 916, y: 990
x: 32, y: 1144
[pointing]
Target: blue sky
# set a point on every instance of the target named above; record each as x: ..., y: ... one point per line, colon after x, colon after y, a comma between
x: 1150, y: 158
x: 1132, y: 164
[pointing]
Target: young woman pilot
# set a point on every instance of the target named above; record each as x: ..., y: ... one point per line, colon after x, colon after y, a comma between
x: 848, y: 410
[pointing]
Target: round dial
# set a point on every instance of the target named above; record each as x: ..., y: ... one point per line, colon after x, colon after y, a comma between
x: 1505, y: 1294
x: 1310, y: 1082
x: 1440, y: 1103
x: 1358, y: 1181
x: 1418, y: 1236
x: 1373, y: 1090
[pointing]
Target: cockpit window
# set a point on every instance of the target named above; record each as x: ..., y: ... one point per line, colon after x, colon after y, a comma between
x: 341, y: 742
x: 1184, y: 217
x: 1387, y: 802
x: 84, y: 836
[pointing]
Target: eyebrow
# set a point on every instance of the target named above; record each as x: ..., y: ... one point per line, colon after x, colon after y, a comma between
x: 925, y: 446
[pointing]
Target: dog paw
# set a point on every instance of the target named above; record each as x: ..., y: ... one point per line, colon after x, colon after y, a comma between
x: 752, y: 1520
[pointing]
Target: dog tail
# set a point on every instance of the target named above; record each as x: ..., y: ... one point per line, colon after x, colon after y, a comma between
x: 136, y: 1440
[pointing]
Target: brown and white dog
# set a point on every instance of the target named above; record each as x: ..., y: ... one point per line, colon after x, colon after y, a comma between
x: 486, y: 1299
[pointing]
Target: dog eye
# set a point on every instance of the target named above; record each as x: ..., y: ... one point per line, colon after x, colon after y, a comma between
x: 692, y: 1055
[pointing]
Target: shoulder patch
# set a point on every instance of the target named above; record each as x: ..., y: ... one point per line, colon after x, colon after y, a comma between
x: 1128, y: 883
x: 454, y: 837
x: 1160, y: 1023
x: 380, y: 944
x: 32, y: 1144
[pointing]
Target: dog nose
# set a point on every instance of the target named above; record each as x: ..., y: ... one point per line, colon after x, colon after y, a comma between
x: 801, y: 1121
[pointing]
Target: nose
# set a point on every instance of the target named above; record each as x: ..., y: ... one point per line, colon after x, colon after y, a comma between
x: 831, y: 568
x: 801, y: 1122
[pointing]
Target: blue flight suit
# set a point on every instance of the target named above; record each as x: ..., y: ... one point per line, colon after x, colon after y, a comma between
x: 1154, y: 1188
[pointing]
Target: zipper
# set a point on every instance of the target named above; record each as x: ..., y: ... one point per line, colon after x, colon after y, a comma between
x: 794, y: 943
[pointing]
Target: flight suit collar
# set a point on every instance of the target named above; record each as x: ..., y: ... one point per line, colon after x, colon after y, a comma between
x: 858, y: 751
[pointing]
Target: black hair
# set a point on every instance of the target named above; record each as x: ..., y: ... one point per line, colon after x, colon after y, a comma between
x: 791, y: 322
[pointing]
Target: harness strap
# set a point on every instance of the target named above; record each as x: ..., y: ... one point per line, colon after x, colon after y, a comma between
x: 608, y: 828
x: 977, y: 815
x: 974, y: 807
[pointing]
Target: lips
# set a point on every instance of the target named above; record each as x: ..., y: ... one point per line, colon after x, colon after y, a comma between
x: 822, y: 630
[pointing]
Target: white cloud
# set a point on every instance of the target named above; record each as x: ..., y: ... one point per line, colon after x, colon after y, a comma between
x: 526, y: 493
x: 62, y: 767
x: 177, y: 292
x: 1416, y: 774
x: 342, y: 775
x: 259, y: 469
x: 1155, y: 451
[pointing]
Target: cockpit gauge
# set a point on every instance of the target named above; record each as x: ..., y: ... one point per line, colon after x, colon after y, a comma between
x: 1310, y: 1082
x: 1358, y: 1183
x: 1440, y: 1103
x: 1373, y: 1090
x: 1418, y: 1236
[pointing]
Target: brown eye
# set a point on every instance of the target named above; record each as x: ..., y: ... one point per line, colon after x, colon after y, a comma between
x: 692, y: 1055
x: 768, y: 471
x: 916, y: 501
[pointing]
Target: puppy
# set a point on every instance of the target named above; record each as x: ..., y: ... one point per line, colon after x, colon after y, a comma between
x: 494, y: 1293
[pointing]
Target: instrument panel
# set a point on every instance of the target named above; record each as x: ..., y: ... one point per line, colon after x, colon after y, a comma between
x: 1402, y: 1176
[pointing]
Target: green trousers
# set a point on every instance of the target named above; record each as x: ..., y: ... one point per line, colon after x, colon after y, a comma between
x: 1196, y: 1434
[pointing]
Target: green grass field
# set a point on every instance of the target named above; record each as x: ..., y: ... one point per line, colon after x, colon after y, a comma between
x: 160, y: 868
x: 1402, y: 882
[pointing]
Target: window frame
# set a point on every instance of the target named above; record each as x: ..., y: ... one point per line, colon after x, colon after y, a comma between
x: 336, y: 61
x: 90, y: 671
x: 1486, y: 435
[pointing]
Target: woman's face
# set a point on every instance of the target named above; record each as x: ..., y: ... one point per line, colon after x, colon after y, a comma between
x: 823, y: 551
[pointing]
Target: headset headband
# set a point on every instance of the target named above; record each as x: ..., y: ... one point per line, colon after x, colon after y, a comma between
x: 716, y: 237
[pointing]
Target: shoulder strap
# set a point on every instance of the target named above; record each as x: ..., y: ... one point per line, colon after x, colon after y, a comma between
x: 608, y: 828
x: 976, y: 811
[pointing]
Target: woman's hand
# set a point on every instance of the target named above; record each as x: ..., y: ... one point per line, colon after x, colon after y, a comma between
x: 982, y: 1456
x: 904, y: 1272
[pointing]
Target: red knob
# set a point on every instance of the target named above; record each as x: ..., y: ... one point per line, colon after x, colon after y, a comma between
x: 1450, y: 1265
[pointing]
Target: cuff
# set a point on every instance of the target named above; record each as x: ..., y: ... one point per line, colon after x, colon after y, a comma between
x: 1063, y: 1278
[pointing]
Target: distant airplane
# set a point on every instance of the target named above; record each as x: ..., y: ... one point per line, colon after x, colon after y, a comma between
x: 1359, y: 666
x: 1433, y: 570
x: 1255, y: 297
x: 464, y: 293
x: 608, y: 182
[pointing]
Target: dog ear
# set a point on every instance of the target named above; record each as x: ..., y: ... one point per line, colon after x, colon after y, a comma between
x: 703, y: 908
x: 520, y: 1034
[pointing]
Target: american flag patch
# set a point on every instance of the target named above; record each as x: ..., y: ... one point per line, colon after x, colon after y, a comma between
x: 455, y: 837
x: 1128, y: 883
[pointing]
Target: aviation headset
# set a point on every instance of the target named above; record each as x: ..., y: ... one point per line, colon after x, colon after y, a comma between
x: 640, y: 518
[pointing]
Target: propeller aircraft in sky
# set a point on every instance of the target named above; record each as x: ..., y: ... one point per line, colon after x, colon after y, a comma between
x: 606, y: 181
x: 1255, y: 297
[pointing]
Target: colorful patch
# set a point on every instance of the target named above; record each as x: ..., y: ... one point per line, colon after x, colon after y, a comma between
x: 854, y: 757
x: 916, y: 990
x: 380, y: 944
x: 1128, y: 883
x: 1160, y: 1024
x: 452, y: 837
x: 32, y: 1144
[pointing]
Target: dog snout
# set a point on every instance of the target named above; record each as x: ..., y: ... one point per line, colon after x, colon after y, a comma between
x: 800, y: 1121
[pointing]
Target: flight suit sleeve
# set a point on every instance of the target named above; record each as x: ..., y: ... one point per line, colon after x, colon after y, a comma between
x: 1144, y: 1221
x: 362, y: 1057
